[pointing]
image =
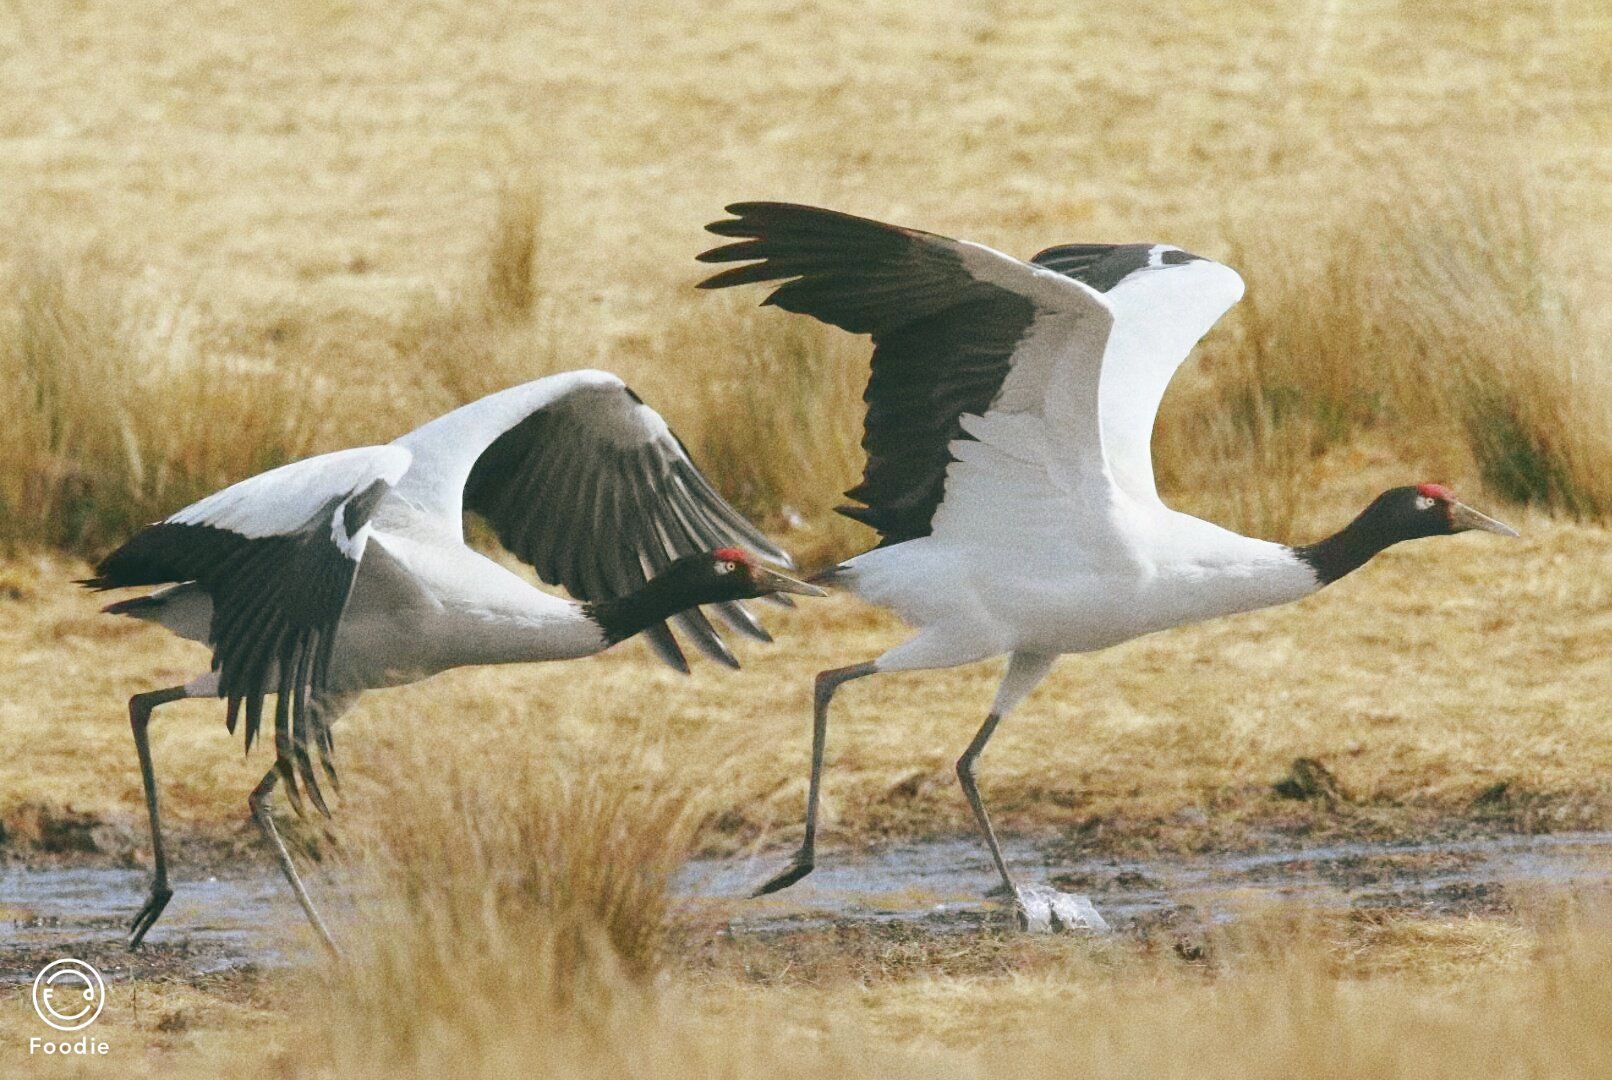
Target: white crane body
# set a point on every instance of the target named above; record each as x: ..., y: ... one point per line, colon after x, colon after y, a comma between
x: 348, y: 571
x: 1010, y: 475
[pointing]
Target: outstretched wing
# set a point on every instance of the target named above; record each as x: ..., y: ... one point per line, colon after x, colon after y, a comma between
x: 968, y: 345
x: 582, y: 480
x: 277, y: 554
x: 1164, y: 299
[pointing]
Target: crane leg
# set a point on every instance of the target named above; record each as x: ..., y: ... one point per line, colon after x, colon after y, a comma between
x: 1037, y: 907
x: 259, y: 802
x: 140, y: 709
x: 965, y: 777
x: 823, y: 692
x: 1024, y: 671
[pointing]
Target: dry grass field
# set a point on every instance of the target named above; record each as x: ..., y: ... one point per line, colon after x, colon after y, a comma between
x: 241, y: 233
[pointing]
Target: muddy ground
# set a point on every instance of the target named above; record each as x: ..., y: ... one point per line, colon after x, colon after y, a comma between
x: 911, y: 901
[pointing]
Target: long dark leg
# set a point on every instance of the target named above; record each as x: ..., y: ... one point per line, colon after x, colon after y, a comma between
x: 823, y: 693
x: 140, y: 708
x: 1024, y: 671
x: 965, y: 776
x: 259, y: 802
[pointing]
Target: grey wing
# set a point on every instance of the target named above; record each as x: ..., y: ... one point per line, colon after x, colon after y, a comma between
x: 276, y: 555
x: 596, y: 493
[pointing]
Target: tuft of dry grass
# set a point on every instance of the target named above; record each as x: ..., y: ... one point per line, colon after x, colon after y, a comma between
x: 779, y: 419
x: 118, y: 410
x: 1272, y: 1010
x: 1448, y: 325
x: 1448, y: 329
x: 519, y: 896
x: 516, y: 923
x: 1282, y: 994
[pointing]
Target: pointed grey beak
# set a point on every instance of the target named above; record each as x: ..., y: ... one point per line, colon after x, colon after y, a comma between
x: 773, y: 581
x: 1463, y: 517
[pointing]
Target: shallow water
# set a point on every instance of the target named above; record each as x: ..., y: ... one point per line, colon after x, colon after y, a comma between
x: 952, y: 877
x: 247, y: 916
x: 219, y: 923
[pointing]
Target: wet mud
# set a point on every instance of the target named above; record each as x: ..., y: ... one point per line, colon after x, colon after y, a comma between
x: 241, y: 917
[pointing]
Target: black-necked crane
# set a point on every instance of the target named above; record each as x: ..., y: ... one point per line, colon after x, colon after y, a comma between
x: 348, y: 571
x: 1009, y: 474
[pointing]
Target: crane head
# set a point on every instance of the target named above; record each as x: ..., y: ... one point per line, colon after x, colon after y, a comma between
x: 732, y: 573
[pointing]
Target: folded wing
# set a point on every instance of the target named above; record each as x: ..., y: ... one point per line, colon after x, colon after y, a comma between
x: 277, y: 555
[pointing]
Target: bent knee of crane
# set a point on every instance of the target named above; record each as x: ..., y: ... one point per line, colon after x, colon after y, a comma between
x: 141, y: 708
x: 258, y: 801
x: 143, y: 704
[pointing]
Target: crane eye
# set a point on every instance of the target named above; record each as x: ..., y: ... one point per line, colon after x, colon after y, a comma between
x: 725, y: 566
x: 1424, y: 502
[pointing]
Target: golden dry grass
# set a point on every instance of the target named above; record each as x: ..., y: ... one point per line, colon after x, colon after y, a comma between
x: 527, y: 981
x: 338, y: 232
x: 240, y: 234
x: 520, y: 930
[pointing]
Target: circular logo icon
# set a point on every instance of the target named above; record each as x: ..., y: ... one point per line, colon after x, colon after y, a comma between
x: 69, y: 994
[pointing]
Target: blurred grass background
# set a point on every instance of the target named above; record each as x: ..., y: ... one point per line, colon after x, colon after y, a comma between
x: 290, y: 228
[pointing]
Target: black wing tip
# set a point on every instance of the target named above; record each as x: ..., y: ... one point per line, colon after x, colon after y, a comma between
x: 711, y: 645
x: 664, y: 645
x: 733, y: 228
x: 130, y: 606
x: 749, y: 273
x: 749, y: 219
x: 720, y: 253
x: 166, y: 552
x: 892, y: 526
x: 863, y: 514
x: 752, y: 207
x: 698, y: 629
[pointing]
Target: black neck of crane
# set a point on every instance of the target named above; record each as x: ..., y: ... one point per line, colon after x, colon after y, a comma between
x: 1340, y: 554
x: 1384, y: 523
x: 658, y: 600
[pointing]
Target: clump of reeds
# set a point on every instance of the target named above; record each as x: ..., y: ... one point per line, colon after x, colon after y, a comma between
x: 117, y: 409
x: 780, y: 417
x: 1446, y: 328
x: 1430, y: 311
x: 511, y: 906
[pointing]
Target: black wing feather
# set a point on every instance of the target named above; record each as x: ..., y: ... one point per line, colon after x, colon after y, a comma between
x: 277, y: 601
x: 943, y: 340
x: 1102, y: 266
x: 579, y: 492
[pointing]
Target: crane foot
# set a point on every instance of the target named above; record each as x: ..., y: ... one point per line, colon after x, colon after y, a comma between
x: 797, y: 869
x: 1042, y: 909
